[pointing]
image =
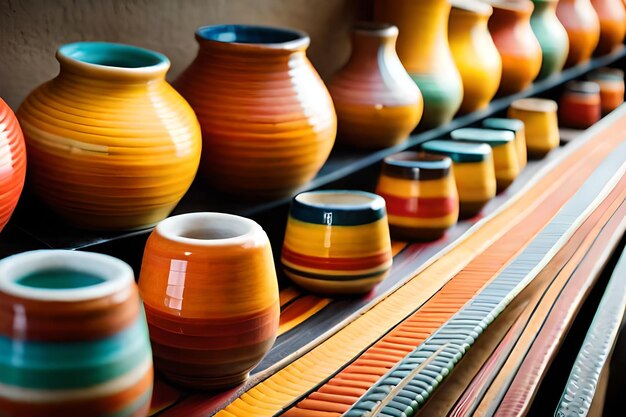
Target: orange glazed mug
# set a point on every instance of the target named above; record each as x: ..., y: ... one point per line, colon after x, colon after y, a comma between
x: 211, y: 297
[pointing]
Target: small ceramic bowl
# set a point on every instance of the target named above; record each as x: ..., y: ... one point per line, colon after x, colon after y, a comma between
x: 420, y: 194
x: 580, y: 105
x: 502, y: 144
x: 542, y: 127
x: 611, y: 82
x: 337, y: 241
x: 517, y: 127
x: 473, y: 172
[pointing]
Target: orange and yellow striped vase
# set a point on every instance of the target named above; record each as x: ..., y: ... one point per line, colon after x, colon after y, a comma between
x: 337, y: 242
x: 581, y: 22
x: 519, y: 130
x: 111, y: 145
x: 540, y: 120
x: 12, y: 163
x: 211, y: 296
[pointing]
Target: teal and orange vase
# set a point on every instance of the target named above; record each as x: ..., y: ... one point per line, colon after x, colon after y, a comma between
x: 12, y: 163
x: 552, y: 37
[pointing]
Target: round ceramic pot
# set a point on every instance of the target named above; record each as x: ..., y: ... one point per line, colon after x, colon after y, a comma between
x: 268, y: 122
x: 425, y: 53
x: 211, y: 296
x: 552, y: 37
x: 337, y: 242
x: 474, y: 173
x: 612, y: 24
x: 502, y: 142
x: 611, y: 82
x: 420, y: 195
x: 474, y: 52
x: 12, y: 163
x: 517, y: 127
x: 581, y: 22
x: 541, y: 123
x: 580, y: 105
x: 110, y: 144
x: 377, y: 103
x: 73, y: 337
x: 519, y: 49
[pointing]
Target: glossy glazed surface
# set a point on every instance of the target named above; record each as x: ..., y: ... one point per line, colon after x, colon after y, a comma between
x: 211, y: 296
x: 552, y: 37
x: 517, y: 127
x: 611, y: 82
x: 612, y: 24
x: 541, y: 123
x: 580, y: 105
x: 95, y: 360
x: 268, y: 122
x: 377, y: 103
x: 581, y: 22
x: 12, y: 163
x: 111, y: 144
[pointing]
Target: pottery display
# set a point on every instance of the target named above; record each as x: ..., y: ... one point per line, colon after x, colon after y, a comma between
x: 502, y: 142
x: 475, y: 55
x: 420, y: 195
x: 611, y: 82
x: 268, y: 122
x: 377, y: 103
x: 541, y: 123
x: 12, y: 163
x: 474, y: 173
x: 211, y: 297
x: 580, y: 105
x: 552, y: 37
x: 73, y: 337
x: 110, y: 144
x: 425, y: 53
x: 581, y: 22
x: 337, y: 242
x: 612, y: 24
x: 517, y: 127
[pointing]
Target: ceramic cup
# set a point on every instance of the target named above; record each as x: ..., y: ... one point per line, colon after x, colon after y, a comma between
x: 517, y: 127
x: 611, y: 82
x: 420, y: 194
x: 542, y: 127
x: 580, y: 105
x: 337, y: 241
x: 211, y: 297
x: 73, y: 337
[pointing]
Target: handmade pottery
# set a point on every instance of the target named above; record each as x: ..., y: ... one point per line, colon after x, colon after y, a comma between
x: 502, y: 142
x: 377, y: 103
x: 552, y: 37
x: 473, y: 172
x: 517, y: 127
x: 541, y: 123
x: 580, y: 105
x: 611, y: 82
x: 12, y: 163
x: 425, y: 53
x: 474, y: 53
x: 211, y: 297
x: 337, y: 242
x: 420, y: 195
x: 612, y: 24
x: 581, y: 22
x: 73, y: 337
x: 110, y: 144
x: 268, y: 122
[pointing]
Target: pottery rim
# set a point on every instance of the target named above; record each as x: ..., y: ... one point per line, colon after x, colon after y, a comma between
x: 251, y: 37
x: 409, y: 159
x: 535, y: 105
x: 341, y: 200
x: 606, y: 74
x: 512, y: 5
x: 375, y: 29
x: 472, y: 7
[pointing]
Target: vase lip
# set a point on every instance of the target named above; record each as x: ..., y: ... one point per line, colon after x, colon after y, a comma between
x: 541, y: 105
x: 115, y: 275
x: 472, y: 6
x: 253, y: 37
x: 375, y: 29
x: 338, y: 207
x: 512, y: 5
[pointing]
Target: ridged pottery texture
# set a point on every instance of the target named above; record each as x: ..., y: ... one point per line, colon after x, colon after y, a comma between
x: 612, y: 24
x: 73, y: 337
x: 420, y: 194
x: 516, y: 42
x: 425, y: 53
x: 337, y: 242
x: 211, y: 297
x: 475, y: 55
x: 542, y: 127
x: 12, y: 163
x: 611, y: 82
x: 517, y: 127
x: 581, y: 22
x: 268, y: 122
x: 111, y: 145
x: 552, y: 37
x: 580, y: 105
x: 377, y: 103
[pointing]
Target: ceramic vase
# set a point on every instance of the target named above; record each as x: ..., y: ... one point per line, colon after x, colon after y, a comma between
x: 516, y: 42
x: 552, y: 37
x: 73, y: 337
x: 111, y: 144
x: 612, y: 24
x: 337, y: 242
x: 425, y: 53
x: 377, y: 103
x: 474, y: 52
x: 541, y: 123
x: 512, y: 125
x: 420, y: 195
x: 268, y: 122
x: 12, y: 163
x: 580, y: 105
x: 211, y: 297
x: 581, y: 22
x: 611, y: 82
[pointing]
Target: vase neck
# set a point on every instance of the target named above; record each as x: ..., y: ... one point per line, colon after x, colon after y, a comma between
x: 372, y: 40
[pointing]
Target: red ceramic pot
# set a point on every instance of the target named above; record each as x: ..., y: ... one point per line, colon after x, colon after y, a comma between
x: 579, y: 107
x: 12, y: 162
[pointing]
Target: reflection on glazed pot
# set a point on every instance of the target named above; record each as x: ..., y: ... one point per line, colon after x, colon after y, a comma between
x: 12, y: 163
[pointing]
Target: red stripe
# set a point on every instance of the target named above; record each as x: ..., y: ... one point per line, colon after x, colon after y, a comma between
x: 339, y: 264
x: 420, y: 206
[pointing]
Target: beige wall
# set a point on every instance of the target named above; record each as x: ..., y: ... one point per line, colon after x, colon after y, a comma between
x: 31, y: 30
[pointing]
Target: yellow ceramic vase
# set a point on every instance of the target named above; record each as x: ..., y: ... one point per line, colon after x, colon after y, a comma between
x: 111, y: 145
x: 517, y: 127
x: 540, y: 119
x: 475, y: 55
